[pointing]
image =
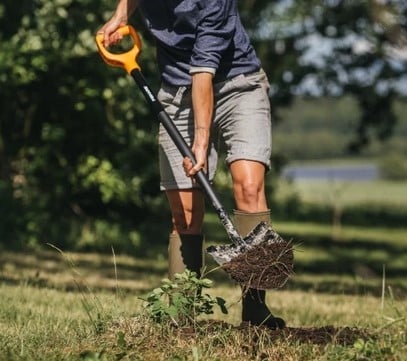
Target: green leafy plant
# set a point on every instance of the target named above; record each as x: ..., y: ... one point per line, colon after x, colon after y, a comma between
x: 181, y: 301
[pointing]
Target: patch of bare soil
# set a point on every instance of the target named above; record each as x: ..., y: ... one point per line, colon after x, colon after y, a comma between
x: 265, y: 266
x: 314, y: 335
x: 318, y: 335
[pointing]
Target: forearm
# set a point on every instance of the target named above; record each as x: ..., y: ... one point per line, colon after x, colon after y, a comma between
x: 125, y: 8
x: 123, y: 11
x: 202, y: 101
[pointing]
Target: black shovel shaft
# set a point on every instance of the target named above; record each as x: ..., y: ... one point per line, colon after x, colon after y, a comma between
x: 185, y: 150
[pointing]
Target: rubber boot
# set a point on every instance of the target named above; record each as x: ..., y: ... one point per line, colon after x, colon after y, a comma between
x: 254, y: 308
x: 185, y: 251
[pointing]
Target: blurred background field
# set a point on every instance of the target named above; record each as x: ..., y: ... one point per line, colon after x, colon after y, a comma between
x: 348, y: 192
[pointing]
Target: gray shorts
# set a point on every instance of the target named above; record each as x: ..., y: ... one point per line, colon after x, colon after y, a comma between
x: 241, y: 124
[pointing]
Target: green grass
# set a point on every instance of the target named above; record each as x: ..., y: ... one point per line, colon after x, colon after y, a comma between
x: 354, y: 262
x: 349, y: 259
x: 44, y: 324
x: 71, y: 306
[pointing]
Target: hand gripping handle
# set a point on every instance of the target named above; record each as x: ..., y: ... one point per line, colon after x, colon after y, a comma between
x: 126, y: 60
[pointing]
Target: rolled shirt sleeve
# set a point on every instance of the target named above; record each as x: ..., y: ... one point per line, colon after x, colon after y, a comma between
x: 214, y: 35
x: 201, y: 69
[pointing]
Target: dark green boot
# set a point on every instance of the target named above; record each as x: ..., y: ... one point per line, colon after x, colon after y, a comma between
x: 255, y: 311
x: 254, y: 308
x: 185, y: 251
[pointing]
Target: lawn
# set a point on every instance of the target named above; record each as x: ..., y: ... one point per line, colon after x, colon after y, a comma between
x: 70, y: 306
x: 53, y: 324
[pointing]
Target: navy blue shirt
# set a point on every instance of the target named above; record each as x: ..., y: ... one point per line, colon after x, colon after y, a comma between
x: 199, y: 34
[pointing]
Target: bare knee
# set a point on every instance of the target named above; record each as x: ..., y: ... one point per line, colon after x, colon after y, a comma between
x: 249, y: 196
x: 248, y: 185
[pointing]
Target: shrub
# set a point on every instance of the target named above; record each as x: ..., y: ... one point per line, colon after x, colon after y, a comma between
x: 181, y: 301
x: 393, y: 167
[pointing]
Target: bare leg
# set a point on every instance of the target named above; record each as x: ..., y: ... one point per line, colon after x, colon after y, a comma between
x: 187, y: 210
x: 249, y: 192
x: 185, y: 249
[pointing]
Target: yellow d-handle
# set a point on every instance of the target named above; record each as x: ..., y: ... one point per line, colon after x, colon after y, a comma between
x: 127, y: 60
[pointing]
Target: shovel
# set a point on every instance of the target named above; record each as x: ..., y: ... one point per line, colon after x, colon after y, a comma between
x: 261, y: 260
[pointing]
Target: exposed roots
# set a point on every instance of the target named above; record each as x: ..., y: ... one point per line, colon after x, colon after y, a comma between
x: 267, y: 265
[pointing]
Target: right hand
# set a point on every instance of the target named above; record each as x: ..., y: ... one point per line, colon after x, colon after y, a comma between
x: 110, y: 34
x: 201, y: 156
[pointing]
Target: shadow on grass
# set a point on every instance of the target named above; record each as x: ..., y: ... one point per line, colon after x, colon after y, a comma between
x: 326, y: 266
x: 77, y: 271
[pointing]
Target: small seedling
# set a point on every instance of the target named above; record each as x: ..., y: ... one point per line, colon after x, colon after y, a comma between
x: 181, y: 301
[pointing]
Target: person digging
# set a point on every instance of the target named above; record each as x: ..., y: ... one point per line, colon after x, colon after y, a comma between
x: 211, y: 78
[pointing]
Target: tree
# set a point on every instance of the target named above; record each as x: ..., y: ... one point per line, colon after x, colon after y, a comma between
x: 335, y: 48
x: 77, y: 147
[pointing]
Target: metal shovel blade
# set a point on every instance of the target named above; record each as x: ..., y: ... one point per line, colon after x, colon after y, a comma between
x: 263, y: 261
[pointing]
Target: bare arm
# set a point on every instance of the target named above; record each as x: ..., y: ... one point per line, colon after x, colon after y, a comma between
x: 124, y: 9
x: 202, y: 101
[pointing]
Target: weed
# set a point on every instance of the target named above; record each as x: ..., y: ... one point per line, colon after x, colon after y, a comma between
x: 181, y: 301
x: 364, y: 350
x: 91, y: 304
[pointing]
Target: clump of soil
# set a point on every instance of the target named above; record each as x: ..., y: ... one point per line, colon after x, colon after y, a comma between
x: 267, y: 265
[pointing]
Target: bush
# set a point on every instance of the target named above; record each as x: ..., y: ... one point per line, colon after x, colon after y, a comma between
x: 181, y: 301
x: 393, y: 167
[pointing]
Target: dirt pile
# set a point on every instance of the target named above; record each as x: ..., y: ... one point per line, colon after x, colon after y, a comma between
x: 265, y: 266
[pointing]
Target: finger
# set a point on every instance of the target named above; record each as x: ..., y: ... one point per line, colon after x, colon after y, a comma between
x: 103, y: 33
x: 109, y: 32
x: 187, y: 165
x: 196, y: 168
x: 104, y: 30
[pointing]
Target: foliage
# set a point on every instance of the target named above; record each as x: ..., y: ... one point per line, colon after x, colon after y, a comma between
x: 365, y: 350
x: 181, y: 301
x: 73, y: 153
x: 335, y: 48
x: 78, y: 154
x: 393, y: 167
